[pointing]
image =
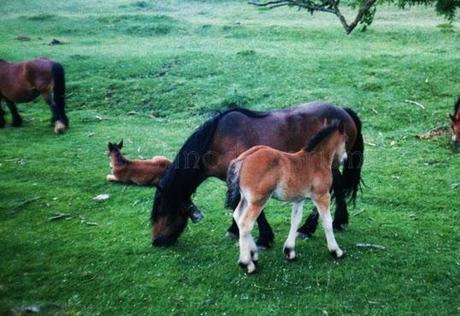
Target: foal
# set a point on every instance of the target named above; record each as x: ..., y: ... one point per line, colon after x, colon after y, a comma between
x: 25, y: 81
x: 141, y: 172
x: 455, y: 122
x: 262, y: 172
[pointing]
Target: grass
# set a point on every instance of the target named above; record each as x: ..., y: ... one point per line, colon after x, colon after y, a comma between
x: 154, y: 71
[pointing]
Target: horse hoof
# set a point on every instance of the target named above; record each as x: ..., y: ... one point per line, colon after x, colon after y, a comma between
x: 303, y: 236
x: 196, y: 216
x: 231, y: 235
x: 338, y: 254
x: 289, y: 253
x: 263, y: 244
x: 59, y: 127
x: 17, y: 123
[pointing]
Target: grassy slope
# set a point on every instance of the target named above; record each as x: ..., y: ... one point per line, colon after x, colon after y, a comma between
x: 173, y: 62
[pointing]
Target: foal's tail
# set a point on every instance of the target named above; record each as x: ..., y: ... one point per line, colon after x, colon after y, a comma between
x: 233, y: 184
x: 59, y: 92
x: 353, y: 164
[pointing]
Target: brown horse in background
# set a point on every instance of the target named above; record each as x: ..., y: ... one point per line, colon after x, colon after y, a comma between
x: 263, y: 172
x: 25, y: 81
x: 455, y: 122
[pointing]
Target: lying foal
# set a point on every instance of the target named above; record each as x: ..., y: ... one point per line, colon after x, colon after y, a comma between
x: 141, y: 172
x: 262, y: 172
x: 455, y: 122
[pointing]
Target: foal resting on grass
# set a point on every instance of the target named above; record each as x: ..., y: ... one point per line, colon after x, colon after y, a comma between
x: 455, y: 122
x: 26, y: 81
x: 141, y: 172
x: 262, y: 172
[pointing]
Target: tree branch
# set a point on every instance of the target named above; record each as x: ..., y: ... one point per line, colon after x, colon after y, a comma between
x: 328, y: 6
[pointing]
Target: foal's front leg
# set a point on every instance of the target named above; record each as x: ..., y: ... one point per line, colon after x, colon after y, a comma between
x: 322, y: 202
x: 296, y: 217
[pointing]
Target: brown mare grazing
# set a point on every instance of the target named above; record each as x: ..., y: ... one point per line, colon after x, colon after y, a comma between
x: 455, y: 122
x: 140, y: 172
x: 25, y: 81
x: 263, y: 172
x: 210, y: 149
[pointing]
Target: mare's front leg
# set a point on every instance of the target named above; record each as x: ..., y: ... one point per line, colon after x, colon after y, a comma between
x: 322, y: 202
x: 341, y: 211
x: 17, y: 120
x: 296, y: 217
x: 266, y: 236
x: 58, y: 119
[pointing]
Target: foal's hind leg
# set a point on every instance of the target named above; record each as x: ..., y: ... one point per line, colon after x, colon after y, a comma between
x: 17, y: 120
x: 296, y: 217
x: 248, y: 249
x: 322, y: 202
x: 266, y: 236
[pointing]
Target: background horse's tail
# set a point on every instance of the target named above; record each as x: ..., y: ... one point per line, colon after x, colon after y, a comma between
x: 59, y: 92
x: 353, y: 164
x: 233, y: 184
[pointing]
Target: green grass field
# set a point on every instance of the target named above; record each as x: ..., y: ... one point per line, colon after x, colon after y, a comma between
x: 150, y: 72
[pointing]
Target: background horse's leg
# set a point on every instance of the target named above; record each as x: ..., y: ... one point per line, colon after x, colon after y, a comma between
x: 2, y: 116
x: 17, y: 120
x: 341, y: 211
x: 58, y: 118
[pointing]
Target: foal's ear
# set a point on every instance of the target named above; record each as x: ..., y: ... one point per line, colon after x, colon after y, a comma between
x: 341, y: 128
x: 110, y: 146
x: 120, y: 145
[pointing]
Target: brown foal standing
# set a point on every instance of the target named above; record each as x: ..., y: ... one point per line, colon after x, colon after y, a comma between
x: 262, y: 172
x: 25, y: 81
x: 141, y: 172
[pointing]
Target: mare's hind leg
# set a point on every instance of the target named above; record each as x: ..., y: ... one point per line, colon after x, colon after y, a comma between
x: 341, y: 211
x: 266, y: 236
x: 308, y: 229
x: 58, y: 118
x: 17, y: 120
x: 296, y: 217
x: 322, y: 202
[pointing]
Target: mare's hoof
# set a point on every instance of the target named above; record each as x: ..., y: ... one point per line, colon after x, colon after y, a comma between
x: 303, y: 235
x: 339, y: 226
x: 196, y: 216
x: 231, y: 235
x: 59, y: 127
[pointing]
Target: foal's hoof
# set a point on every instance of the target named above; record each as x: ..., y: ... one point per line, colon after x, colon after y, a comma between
x: 337, y: 254
x: 289, y: 253
x: 251, y: 267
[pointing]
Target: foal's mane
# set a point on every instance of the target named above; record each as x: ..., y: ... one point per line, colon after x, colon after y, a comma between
x: 319, y: 137
x: 457, y: 106
x: 187, y: 171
